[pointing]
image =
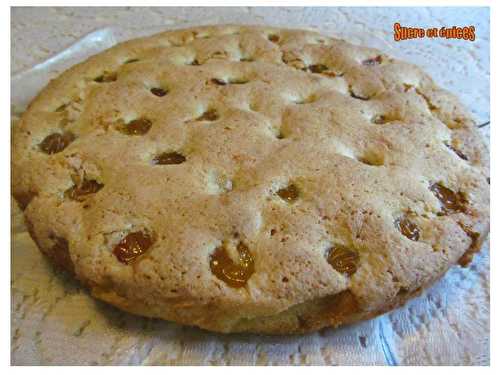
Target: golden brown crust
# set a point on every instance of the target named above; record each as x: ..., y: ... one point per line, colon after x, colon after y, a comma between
x: 285, y: 143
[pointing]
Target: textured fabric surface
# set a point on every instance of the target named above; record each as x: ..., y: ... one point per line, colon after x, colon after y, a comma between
x: 52, y: 316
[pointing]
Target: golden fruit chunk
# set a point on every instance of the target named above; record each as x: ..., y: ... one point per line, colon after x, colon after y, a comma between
x: 158, y: 91
x: 218, y: 81
x: 138, y: 126
x: 450, y: 201
x: 475, y: 245
x: 380, y: 119
x: 317, y: 68
x: 343, y: 259
x: 59, y: 253
x: 79, y: 191
x: 169, y: 158
x: 24, y: 198
x: 106, y: 77
x: 132, y: 246
x: 238, y: 81
x: 209, y: 115
x: 130, y: 61
x: 56, y: 142
x: 408, y: 228
x: 233, y: 274
x: 289, y: 194
x: 273, y: 38
x: 459, y: 153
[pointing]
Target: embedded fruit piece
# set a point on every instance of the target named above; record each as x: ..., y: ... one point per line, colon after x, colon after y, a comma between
x: 317, y: 68
x: 294, y: 61
x: 373, y: 61
x: 59, y: 253
x: 238, y: 81
x: 408, y: 228
x: 474, y: 246
x: 218, y: 81
x: 459, y: 153
x: 209, y: 115
x: 138, y: 126
x: 106, y: 77
x: 219, y: 55
x: 289, y: 194
x: 380, y: 119
x: 61, y: 108
x: 158, y: 91
x: 56, y: 142
x: 372, y: 158
x: 169, y: 158
x: 233, y: 274
x: 273, y: 38
x: 343, y: 260
x: 450, y: 201
x: 131, y: 246
x: 79, y: 191
x: 24, y: 199
x: 357, y: 95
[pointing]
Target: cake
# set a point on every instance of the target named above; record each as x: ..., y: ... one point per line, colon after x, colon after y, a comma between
x: 251, y: 179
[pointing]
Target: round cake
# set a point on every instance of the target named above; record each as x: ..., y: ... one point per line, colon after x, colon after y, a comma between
x: 251, y: 179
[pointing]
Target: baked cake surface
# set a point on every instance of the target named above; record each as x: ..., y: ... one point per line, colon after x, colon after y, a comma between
x: 253, y: 179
